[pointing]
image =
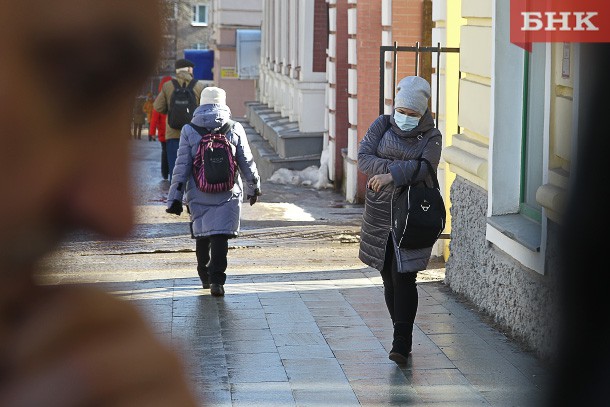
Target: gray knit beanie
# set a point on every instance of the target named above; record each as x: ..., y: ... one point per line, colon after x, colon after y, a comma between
x: 413, y: 93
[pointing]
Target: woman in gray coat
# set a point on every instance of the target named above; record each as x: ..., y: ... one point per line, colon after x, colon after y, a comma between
x: 388, y: 156
x: 215, y: 217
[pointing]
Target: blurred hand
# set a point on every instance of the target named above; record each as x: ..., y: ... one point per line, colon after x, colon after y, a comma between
x: 379, y: 181
x: 175, y: 208
x: 254, y: 198
x: 79, y: 346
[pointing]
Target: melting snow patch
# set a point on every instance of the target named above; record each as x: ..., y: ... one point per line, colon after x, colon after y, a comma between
x: 311, y: 176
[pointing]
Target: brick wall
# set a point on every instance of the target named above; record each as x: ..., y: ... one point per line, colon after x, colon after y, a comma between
x: 369, y: 40
x: 407, y: 31
x: 320, y: 36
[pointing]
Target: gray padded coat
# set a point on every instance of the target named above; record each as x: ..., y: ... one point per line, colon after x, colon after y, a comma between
x: 394, y: 151
x: 220, y: 212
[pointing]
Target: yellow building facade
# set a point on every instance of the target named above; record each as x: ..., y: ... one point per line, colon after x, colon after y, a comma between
x: 507, y: 164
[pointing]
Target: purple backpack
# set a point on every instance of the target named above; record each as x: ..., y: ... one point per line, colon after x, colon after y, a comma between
x: 214, y: 165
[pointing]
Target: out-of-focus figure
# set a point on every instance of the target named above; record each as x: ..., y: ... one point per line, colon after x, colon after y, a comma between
x: 69, y: 73
x: 157, y: 129
x: 139, y: 117
x: 163, y: 104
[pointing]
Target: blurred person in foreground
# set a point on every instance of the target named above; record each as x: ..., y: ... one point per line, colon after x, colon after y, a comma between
x: 581, y: 371
x: 69, y: 72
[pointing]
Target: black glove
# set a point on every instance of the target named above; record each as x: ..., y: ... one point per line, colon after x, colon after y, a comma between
x: 254, y: 198
x: 175, y: 208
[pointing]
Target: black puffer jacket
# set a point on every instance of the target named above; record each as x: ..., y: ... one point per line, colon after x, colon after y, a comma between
x: 394, y: 151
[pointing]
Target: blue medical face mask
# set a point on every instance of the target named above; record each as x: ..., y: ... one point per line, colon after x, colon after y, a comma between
x: 404, y: 122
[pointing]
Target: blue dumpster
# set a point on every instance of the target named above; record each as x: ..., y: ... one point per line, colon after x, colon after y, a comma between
x: 204, y: 63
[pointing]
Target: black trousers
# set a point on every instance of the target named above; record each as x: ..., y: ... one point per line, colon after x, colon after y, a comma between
x: 137, y: 130
x: 212, y: 258
x: 399, y: 289
x: 164, y: 164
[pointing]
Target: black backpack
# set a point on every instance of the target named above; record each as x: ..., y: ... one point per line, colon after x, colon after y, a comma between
x: 182, y: 104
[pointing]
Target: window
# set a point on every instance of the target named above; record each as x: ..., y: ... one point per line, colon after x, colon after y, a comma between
x: 200, y: 15
x: 533, y: 130
x: 518, y: 147
x: 199, y: 45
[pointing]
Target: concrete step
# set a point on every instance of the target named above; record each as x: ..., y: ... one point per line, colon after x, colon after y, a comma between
x: 268, y: 160
x: 282, y: 134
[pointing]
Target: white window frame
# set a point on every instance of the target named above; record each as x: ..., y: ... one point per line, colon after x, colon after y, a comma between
x: 199, y: 45
x: 507, y: 229
x: 196, y: 20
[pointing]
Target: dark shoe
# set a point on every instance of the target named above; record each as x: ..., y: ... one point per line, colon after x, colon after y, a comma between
x: 205, y: 279
x: 402, y: 343
x: 217, y: 290
x: 205, y: 284
x: 400, y: 352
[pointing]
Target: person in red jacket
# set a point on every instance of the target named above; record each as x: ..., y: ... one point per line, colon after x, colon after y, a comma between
x: 157, y: 128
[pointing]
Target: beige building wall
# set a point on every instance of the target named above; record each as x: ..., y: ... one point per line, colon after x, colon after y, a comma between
x: 227, y: 17
x: 467, y: 152
x: 512, y: 155
x: 288, y: 83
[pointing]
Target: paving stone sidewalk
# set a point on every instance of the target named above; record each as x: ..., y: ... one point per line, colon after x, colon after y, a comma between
x: 303, y: 322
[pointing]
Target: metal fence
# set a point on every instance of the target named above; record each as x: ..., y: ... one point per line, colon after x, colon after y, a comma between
x: 417, y: 49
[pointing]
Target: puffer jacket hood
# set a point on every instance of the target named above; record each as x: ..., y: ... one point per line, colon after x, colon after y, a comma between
x: 211, y: 116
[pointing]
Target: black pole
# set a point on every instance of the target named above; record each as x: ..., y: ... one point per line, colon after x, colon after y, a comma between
x: 417, y: 58
x: 394, y: 69
x: 381, y: 78
x: 438, y: 70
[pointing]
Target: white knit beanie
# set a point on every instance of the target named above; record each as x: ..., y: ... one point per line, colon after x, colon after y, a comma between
x: 413, y: 93
x: 213, y: 96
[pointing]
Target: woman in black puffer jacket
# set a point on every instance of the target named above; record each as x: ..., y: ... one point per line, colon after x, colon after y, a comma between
x: 388, y: 156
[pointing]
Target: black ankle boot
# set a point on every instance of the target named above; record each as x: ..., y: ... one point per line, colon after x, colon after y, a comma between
x: 401, y: 345
x: 217, y: 290
x: 205, y: 279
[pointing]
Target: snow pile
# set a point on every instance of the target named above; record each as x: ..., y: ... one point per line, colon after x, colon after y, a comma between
x: 314, y: 176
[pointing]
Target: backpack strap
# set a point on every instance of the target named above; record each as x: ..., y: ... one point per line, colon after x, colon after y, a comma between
x: 192, y: 84
x: 176, y: 83
x: 201, y: 130
x: 224, y: 129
